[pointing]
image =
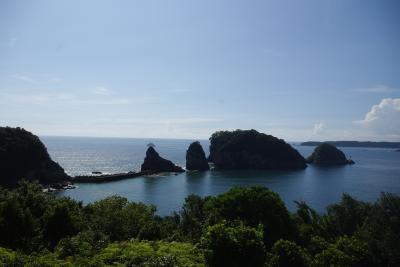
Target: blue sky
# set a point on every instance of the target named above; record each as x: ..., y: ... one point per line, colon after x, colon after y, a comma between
x: 300, y: 70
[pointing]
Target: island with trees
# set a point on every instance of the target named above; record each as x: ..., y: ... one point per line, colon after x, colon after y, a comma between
x: 249, y: 149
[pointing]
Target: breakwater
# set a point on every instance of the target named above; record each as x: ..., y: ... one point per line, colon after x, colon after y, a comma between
x: 108, y: 177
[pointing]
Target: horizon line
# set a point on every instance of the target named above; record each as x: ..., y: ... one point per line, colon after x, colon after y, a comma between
x: 200, y: 139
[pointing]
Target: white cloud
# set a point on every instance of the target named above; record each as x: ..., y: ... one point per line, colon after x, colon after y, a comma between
x: 384, y: 118
x: 318, y: 128
x: 11, y: 42
x: 191, y: 120
x: 181, y: 90
x: 51, y: 78
x: 108, y: 101
x: 23, y: 77
x: 376, y: 89
x: 153, y: 127
x: 102, y: 91
x: 37, y: 78
x: 24, y: 98
x: 165, y: 121
x: 88, y: 97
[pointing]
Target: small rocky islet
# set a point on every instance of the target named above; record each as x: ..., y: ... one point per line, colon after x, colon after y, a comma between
x: 328, y: 154
x: 24, y: 156
x: 154, y: 163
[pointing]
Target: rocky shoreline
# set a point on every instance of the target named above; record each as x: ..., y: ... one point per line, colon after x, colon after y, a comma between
x: 24, y: 157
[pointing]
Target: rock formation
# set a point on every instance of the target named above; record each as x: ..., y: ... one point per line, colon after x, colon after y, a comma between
x: 327, y: 154
x: 249, y: 149
x: 154, y: 163
x: 196, y: 158
x: 23, y: 156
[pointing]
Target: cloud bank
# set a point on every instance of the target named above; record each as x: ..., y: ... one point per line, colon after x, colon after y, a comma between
x: 384, y: 118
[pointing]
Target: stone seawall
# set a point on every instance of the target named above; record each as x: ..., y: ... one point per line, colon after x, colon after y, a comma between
x: 108, y: 177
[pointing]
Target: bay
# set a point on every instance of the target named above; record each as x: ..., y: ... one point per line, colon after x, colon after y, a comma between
x: 376, y: 170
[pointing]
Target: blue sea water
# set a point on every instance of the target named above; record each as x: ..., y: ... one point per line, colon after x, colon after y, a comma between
x: 376, y: 170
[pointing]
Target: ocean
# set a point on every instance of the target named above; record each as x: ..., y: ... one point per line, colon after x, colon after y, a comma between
x: 376, y: 170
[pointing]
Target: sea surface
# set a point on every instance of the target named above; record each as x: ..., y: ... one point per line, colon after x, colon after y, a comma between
x: 376, y: 170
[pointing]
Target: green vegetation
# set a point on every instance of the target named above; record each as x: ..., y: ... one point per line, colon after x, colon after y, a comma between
x: 243, y: 227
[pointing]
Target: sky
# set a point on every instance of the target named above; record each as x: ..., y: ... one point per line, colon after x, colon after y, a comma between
x: 299, y: 70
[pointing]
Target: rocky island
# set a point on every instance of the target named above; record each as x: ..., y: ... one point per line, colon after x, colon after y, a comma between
x: 24, y: 156
x: 153, y: 163
x: 249, y: 149
x: 327, y: 154
x: 196, y: 158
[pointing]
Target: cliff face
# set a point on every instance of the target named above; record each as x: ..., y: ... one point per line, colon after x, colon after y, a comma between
x: 23, y: 156
x: 196, y: 158
x: 154, y: 163
x: 249, y: 149
x: 327, y: 154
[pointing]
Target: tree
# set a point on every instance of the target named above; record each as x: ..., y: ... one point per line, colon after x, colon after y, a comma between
x: 193, y: 216
x: 16, y: 225
x: 346, y: 251
x: 345, y: 217
x: 63, y: 219
x: 254, y: 206
x: 381, y: 230
x: 119, y: 219
x: 233, y: 246
x: 286, y: 253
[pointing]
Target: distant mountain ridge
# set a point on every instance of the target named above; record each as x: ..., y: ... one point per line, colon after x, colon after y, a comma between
x: 355, y: 144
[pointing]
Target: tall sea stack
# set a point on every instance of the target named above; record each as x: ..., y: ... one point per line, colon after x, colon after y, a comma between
x: 196, y: 158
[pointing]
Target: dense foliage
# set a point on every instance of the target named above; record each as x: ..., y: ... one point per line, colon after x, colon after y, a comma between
x: 243, y: 227
x: 249, y: 149
x: 23, y: 156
